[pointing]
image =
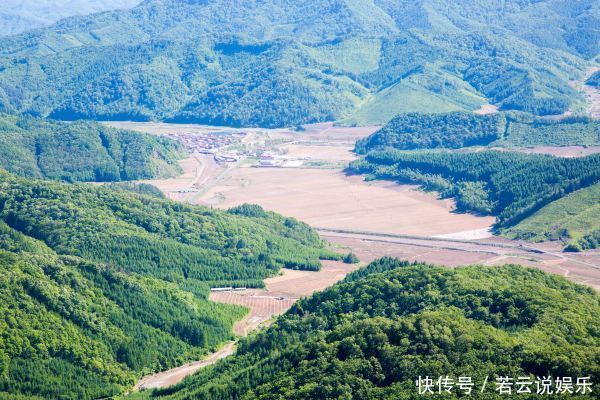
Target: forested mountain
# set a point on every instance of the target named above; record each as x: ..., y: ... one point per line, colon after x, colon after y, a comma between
x: 17, y: 16
x: 509, y: 185
x: 373, y: 335
x: 460, y: 129
x: 83, y: 151
x: 72, y: 329
x: 276, y: 62
x: 98, y: 285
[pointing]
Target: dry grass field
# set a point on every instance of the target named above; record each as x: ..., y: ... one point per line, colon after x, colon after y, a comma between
x: 319, y: 152
x: 330, y: 199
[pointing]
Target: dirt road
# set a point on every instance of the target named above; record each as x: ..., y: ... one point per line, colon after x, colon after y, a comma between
x: 582, y: 268
x: 176, y: 375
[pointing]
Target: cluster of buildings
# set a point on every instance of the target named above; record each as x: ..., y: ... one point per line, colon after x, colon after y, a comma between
x: 269, y: 160
x: 207, y: 143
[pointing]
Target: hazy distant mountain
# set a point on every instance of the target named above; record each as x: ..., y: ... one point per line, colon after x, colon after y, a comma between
x: 284, y: 62
x: 19, y: 16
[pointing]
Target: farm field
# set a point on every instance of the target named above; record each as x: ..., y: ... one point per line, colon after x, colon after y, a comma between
x: 371, y: 219
x: 281, y: 293
x: 319, y: 152
x: 329, y: 200
x: 579, y: 267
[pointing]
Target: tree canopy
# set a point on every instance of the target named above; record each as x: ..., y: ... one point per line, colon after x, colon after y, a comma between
x: 101, y: 285
x: 374, y: 334
x: 83, y: 151
x: 510, y: 185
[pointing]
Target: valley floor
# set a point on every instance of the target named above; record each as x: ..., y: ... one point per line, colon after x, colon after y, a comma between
x: 373, y: 219
x: 303, y: 177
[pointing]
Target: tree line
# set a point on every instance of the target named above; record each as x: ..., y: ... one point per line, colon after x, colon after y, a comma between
x: 509, y: 185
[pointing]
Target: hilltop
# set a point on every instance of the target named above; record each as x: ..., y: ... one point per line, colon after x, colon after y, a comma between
x: 83, y: 151
x: 456, y: 130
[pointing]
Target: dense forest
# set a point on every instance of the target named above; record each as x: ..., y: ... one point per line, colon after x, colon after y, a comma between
x: 72, y: 329
x: 429, y: 131
x: 374, y: 334
x: 100, y: 285
x: 523, y: 131
x: 275, y: 63
x: 459, y: 129
x: 83, y: 151
x: 140, y: 188
x: 509, y: 185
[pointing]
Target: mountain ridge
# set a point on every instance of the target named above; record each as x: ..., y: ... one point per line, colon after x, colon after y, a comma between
x: 21, y: 16
x: 279, y: 63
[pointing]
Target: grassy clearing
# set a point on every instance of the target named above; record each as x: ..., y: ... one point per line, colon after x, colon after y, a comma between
x: 573, y: 219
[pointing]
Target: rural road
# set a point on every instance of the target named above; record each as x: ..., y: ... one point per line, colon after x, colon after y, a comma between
x: 451, y: 244
x: 176, y: 375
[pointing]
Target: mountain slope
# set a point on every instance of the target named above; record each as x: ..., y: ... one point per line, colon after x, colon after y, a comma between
x: 574, y: 219
x: 373, y: 335
x: 72, y: 329
x: 18, y: 16
x: 276, y: 62
x: 99, y: 286
x: 83, y: 151
x: 455, y: 130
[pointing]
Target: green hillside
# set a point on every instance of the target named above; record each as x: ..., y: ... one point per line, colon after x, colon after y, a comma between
x: 83, y: 151
x: 455, y: 130
x: 574, y: 219
x: 73, y: 329
x: 373, y: 335
x: 274, y: 63
x: 100, y: 286
x: 522, y: 132
x: 594, y: 80
x: 406, y: 97
x: 510, y: 185
x: 428, y: 131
